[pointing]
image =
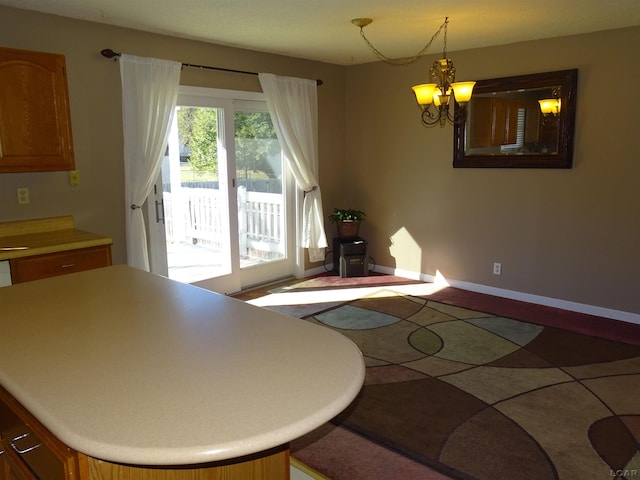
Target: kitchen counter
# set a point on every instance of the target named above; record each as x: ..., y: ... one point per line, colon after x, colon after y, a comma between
x: 49, y: 235
x: 130, y: 367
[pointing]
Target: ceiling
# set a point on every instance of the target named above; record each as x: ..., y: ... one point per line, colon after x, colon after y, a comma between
x: 321, y: 29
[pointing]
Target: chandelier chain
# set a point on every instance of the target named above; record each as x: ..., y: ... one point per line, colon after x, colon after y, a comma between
x: 414, y: 58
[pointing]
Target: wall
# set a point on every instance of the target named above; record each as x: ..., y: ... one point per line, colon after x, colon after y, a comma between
x: 572, y: 234
x: 563, y: 234
x: 95, y: 96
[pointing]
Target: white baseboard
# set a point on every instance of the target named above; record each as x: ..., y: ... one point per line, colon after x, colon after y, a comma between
x: 318, y: 271
x: 524, y: 297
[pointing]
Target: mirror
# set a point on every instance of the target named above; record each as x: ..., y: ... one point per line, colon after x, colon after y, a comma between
x: 504, y: 126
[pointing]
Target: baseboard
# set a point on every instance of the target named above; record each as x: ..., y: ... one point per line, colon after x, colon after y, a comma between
x: 318, y: 270
x: 521, y: 296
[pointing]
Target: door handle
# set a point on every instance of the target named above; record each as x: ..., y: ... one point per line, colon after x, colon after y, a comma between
x: 160, y: 211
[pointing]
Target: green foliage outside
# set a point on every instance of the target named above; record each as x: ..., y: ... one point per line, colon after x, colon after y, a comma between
x: 256, y: 141
x: 198, y: 132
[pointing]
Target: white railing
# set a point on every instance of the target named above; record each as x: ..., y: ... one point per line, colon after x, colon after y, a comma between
x: 196, y: 215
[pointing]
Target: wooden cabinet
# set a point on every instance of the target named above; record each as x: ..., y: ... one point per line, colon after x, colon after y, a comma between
x: 47, y: 247
x: 10, y: 469
x: 35, y: 122
x: 35, y: 267
x: 31, y: 452
x: 494, y: 122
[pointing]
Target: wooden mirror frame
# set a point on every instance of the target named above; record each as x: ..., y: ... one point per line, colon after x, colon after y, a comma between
x: 567, y: 80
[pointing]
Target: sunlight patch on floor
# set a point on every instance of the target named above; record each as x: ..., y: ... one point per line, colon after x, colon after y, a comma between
x: 347, y: 294
x: 299, y: 475
x: 299, y: 471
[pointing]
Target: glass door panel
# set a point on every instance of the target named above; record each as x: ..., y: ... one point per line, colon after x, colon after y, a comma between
x: 198, y: 235
x: 261, y: 205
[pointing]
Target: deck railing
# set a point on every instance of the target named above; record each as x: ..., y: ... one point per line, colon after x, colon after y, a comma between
x: 197, y: 215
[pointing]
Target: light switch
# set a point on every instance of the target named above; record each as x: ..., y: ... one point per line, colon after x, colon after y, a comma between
x: 74, y: 178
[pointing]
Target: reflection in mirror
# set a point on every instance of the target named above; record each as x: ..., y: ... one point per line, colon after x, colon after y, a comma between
x: 525, y: 121
x: 517, y: 125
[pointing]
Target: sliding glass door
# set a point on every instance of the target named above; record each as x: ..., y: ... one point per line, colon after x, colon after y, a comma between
x: 225, y: 194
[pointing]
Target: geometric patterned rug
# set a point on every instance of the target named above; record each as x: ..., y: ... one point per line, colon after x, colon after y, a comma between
x: 478, y: 396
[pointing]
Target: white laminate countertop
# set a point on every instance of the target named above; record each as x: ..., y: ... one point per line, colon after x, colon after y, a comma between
x: 44, y: 235
x: 131, y: 367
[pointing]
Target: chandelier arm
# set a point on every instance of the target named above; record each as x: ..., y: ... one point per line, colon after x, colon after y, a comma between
x: 444, y: 114
x: 451, y: 116
x: 429, y: 118
x: 459, y: 113
x: 405, y: 60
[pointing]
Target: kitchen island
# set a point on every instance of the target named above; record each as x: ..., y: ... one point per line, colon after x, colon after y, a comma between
x: 126, y: 369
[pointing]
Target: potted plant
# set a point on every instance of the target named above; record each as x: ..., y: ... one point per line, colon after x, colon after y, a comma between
x: 347, y: 220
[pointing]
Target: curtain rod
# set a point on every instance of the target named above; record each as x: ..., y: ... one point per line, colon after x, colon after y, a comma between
x: 108, y: 53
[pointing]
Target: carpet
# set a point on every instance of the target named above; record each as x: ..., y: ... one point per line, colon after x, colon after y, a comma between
x: 478, y: 396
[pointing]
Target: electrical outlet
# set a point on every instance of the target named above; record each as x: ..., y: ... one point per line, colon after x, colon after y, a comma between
x: 497, y: 268
x: 23, y: 195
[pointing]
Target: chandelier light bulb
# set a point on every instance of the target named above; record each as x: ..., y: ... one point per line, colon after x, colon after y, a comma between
x: 424, y: 93
x: 462, y: 91
x: 550, y: 106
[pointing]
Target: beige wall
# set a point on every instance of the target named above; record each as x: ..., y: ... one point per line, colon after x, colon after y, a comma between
x: 94, y: 90
x: 572, y: 234
x: 565, y: 234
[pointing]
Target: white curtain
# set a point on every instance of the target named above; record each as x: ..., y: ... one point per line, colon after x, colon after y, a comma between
x: 293, y: 105
x: 149, y: 95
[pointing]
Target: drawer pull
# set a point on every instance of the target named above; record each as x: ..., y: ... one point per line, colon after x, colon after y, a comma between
x: 68, y: 265
x: 23, y: 450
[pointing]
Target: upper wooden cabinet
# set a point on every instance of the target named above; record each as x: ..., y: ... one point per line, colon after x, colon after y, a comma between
x: 35, y: 122
x: 494, y: 122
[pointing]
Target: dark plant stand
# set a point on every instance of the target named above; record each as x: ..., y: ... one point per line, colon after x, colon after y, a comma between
x: 350, y: 257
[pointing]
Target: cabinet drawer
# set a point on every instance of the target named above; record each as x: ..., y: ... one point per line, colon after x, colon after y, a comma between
x: 26, y: 269
x: 30, y: 455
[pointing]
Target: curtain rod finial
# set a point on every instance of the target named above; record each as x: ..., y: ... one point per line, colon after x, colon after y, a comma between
x: 107, y: 52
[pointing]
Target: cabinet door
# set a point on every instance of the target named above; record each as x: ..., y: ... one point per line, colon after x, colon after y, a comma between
x: 35, y: 123
x: 481, y: 127
x: 495, y: 122
x: 510, y: 122
x: 13, y: 468
x: 31, y: 452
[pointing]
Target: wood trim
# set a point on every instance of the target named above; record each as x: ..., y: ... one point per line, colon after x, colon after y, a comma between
x: 264, y: 466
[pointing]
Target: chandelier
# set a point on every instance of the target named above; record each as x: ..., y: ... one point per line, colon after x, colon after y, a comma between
x: 550, y: 107
x: 434, y: 98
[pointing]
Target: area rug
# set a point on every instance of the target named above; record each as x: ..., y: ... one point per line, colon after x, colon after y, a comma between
x: 479, y: 396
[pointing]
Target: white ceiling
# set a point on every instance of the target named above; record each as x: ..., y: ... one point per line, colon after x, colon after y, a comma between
x: 322, y: 30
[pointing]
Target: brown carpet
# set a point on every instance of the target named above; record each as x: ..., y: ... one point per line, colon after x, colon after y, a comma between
x: 477, y: 395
